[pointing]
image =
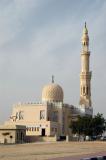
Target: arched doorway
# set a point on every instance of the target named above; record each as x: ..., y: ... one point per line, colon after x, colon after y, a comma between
x: 43, y: 131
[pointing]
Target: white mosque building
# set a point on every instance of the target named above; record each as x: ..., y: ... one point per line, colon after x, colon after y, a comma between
x: 50, y: 120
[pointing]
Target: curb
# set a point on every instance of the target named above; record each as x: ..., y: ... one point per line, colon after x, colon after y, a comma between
x: 95, y: 158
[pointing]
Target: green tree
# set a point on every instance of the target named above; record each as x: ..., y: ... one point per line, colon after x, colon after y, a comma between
x: 82, y: 126
x: 88, y: 125
x: 98, y: 124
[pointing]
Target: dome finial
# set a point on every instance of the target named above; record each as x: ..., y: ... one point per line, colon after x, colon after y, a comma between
x: 52, y: 78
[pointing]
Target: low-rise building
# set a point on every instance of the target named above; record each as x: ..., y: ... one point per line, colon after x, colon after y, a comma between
x: 10, y: 134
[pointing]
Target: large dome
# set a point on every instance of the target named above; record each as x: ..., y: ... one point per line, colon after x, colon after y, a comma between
x: 52, y: 93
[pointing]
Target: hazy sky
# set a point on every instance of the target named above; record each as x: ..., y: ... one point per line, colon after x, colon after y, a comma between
x: 39, y: 38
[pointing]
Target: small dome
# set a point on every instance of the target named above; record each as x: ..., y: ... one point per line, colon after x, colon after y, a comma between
x: 52, y: 93
x: 85, y: 37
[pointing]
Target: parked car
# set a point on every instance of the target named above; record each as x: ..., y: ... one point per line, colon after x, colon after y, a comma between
x: 103, y: 138
x: 93, y: 138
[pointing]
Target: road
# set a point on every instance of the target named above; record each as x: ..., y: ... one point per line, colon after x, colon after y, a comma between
x: 42, y: 151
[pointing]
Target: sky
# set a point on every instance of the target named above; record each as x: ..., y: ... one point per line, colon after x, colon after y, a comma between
x: 41, y: 38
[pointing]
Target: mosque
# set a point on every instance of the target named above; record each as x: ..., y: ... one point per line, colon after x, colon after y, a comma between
x: 50, y: 120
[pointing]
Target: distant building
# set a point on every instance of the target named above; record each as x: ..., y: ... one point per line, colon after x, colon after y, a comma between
x: 50, y: 120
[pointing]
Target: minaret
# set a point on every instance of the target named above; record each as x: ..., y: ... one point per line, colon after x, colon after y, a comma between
x: 85, y: 75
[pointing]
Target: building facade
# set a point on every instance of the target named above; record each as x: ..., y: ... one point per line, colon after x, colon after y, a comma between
x: 50, y: 118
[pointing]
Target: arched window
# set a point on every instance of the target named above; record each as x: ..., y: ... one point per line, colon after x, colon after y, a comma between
x: 84, y: 90
x: 81, y: 89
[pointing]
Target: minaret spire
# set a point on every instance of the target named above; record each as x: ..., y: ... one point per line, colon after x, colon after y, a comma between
x: 85, y: 38
x: 85, y: 75
x: 85, y: 24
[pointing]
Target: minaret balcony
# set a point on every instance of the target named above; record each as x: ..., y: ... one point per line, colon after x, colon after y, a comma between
x: 85, y: 75
x: 85, y: 53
